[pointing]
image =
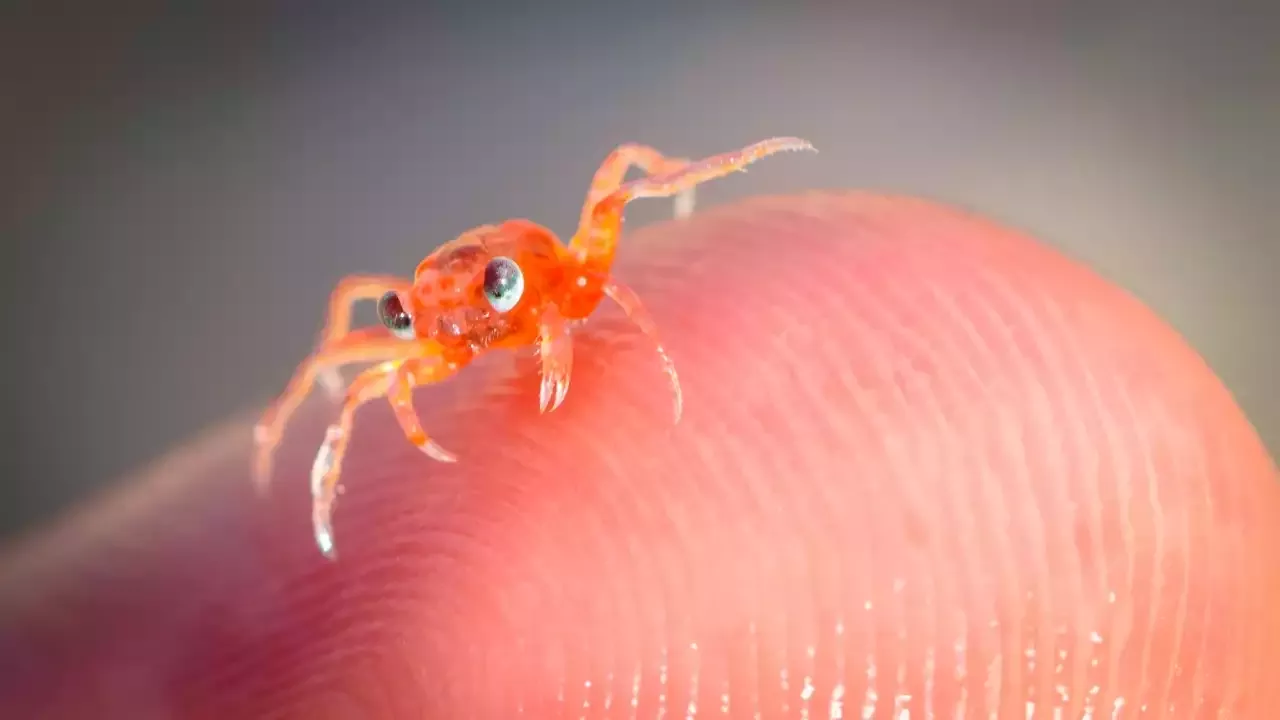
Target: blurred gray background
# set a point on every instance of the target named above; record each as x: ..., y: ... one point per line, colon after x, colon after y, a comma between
x: 184, y: 182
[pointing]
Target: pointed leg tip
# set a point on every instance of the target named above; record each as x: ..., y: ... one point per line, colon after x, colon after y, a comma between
x: 551, y: 405
x: 552, y: 394
x: 684, y: 203
x: 795, y: 144
x: 562, y: 391
x: 437, y: 453
x: 544, y: 396
x: 324, y: 538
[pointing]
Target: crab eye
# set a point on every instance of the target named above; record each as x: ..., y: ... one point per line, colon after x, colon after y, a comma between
x: 392, y: 314
x: 503, y: 284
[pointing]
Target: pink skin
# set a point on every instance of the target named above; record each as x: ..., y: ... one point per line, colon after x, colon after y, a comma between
x: 912, y: 441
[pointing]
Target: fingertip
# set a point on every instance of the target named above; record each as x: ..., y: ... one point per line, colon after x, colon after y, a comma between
x: 911, y: 439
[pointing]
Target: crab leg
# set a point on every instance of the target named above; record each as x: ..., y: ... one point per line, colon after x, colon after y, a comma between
x: 597, y: 238
x: 372, y: 344
x: 349, y: 291
x: 614, y: 168
x: 394, y: 379
x: 630, y: 303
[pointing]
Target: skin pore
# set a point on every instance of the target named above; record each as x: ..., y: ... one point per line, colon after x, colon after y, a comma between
x: 925, y: 464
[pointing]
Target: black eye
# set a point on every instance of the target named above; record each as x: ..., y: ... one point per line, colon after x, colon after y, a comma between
x: 503, y: 283
x: 392, y: 314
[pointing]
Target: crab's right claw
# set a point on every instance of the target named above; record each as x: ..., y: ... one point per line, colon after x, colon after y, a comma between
x: 556, y: 348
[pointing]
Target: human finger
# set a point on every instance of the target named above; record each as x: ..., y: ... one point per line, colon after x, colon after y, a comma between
x: 926, y: 465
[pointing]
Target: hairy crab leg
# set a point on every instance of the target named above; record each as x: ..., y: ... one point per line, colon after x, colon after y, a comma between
x: 614, y: 168
x: 372, y: 344
x: 384, y: 379
x: 556, y: 351
x: 597, y: 238
x: 630, y: 303
x: 349, y: 291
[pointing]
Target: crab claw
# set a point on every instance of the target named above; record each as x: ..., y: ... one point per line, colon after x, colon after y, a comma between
x: 557, y: 360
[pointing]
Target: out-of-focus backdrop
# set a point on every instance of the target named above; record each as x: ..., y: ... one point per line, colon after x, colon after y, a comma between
x: 182, y: 183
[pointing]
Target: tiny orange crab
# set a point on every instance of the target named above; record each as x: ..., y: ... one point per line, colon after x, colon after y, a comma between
x: 496, y: 286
